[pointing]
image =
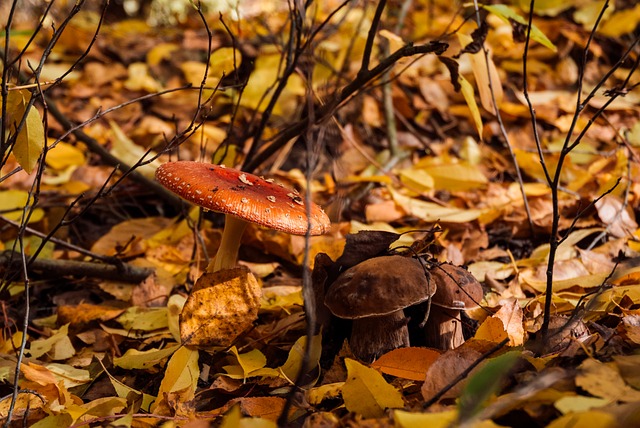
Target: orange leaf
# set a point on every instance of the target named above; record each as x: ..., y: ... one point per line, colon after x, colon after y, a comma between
x: 407, y: 363
x: 491, y: 330
x: 261, y: 407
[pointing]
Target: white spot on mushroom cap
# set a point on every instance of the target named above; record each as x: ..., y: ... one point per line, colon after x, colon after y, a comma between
x: 243, y: 178
x: 271, y: 198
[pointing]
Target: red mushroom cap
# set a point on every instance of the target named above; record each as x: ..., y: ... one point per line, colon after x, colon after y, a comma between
x: 243, y: 195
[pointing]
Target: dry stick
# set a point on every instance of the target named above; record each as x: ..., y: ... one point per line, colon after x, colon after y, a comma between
x: 503, y: 130
x: 60, y: 242
x: 292, y: 57
x: 307, y: 290
x: 4, y: 85
x: 25, y: 327
x: 325, y: 111
x: 464, y: 374
x: 124, y: 272
x: 564, y: 152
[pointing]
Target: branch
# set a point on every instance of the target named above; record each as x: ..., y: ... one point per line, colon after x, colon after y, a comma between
x: 325, y: 111
x: 9, y: 260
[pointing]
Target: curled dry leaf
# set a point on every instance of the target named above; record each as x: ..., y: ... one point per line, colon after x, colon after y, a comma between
x: 221, y: 306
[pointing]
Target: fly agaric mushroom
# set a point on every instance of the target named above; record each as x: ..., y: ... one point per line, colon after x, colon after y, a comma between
x: 373, y: 294
x: 243, y: 198
x: 457, y: 290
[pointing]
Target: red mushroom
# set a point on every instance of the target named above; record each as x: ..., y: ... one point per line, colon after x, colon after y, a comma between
x: 243, y: 198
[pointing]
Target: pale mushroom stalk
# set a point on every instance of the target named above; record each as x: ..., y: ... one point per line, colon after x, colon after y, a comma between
x: 227, y: 254
x: 444, y: 328
x: 457, y: 291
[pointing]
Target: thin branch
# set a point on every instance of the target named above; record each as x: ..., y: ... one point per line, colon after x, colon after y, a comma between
x: 328, y: 109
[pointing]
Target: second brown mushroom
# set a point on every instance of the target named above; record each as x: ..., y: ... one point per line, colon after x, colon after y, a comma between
x: 373, y: 294
x: 457, y: 291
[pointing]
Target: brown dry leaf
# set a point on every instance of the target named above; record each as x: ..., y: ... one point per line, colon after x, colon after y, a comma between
x: 631, y: 328
x: 628, y: 365
x: 616, y: 216
x: 603, y: 380
x: 220, y: 307
x: 511, y: 316
x: 260, y: 407
x: 446, y: 368
x: 408, y: 363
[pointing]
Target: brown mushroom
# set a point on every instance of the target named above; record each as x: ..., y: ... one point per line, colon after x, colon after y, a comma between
x: 457, y: 290
x: 373, y: 294
x: 243, y: 198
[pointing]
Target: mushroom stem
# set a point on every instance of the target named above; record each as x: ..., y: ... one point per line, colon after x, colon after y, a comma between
x: 227, y: 254
x: 444, y: 328
x: 374, y: 336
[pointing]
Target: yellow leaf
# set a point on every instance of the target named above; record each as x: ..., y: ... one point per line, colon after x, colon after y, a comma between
x: 248, y: 362
x: 431, y: 212
x: 505, y: 13
x: 591, y: 418
x: 491, y: 330
x: 69, y: 375
x: 134, y: 359
x: 30, y: 140
x: 145, y: 319
x: 180, y: 378
x: 64, y: 155
x: 324, y: 392
x: 223, y: 61
x: 578, y: 403
x: 621, y: 22
x: 469, y: 97
x: 129, y: 152
x: 12, y: 203
x: 407, y: 363
x: 603, y: 380
x: 456, y: 177
x: 58, y: 346
x: 485, y: 85
x: 174, y: 307
x: 292, y: 366
x: 420, y: 420
x: 367, y: 393
x: 161, y: 52
x: 416, y: 179
x: 140, y: 80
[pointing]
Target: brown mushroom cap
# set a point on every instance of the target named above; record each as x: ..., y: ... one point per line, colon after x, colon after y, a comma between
x: 456, y: 287
x: 243, y: 195
x: 379, y: 286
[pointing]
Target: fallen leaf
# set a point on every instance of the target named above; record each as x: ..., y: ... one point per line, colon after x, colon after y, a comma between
x: 603, y: 380
x: 134, y: 359
x: 408, y: 363
x: 220, y: 307
x: 180, y: 379
x: 446, y: 368
x: 366, y: 393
